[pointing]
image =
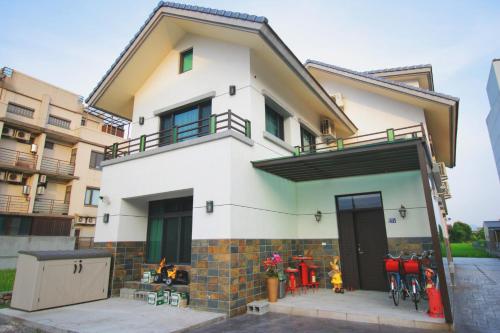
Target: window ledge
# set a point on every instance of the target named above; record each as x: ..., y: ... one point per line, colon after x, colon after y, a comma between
x: 179, y: 145
x: 278, y: 141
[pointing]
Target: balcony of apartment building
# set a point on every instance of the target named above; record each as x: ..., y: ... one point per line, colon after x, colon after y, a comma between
x: 14, y: 204
x: 58, y: 168
x: 46, y: 206
x: 11, y: 159
x: 182, y: 134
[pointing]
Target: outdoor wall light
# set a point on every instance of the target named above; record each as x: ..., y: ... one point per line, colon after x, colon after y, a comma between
x: 318, y: 215
x: 210, y: 206
x: 232, y: 90
x: 141, y: 120
x: 105, y: 218
x: 402, y: 211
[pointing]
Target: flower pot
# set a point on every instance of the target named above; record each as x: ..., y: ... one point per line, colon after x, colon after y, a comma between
x: 272, y: 289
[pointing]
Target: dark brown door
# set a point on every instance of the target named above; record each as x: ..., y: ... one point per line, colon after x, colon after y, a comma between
x: 362, y: 240
x: 371, y: 248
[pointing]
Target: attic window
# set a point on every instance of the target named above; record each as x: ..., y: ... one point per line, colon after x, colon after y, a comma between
x: 186, y: 63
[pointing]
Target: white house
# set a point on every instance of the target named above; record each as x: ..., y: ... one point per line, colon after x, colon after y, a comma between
x: 238, y: 150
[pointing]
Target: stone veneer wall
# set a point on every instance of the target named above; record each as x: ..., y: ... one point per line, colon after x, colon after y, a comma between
x: 126, y: 262
x: 228, y: 274
x: 409, y: 244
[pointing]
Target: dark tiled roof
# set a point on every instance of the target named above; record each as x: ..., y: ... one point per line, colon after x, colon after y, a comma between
x: 376, y: 78
x: 397, y: 69
x: 206, y: 10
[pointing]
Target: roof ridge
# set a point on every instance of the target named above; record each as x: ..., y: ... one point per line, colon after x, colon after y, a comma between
x: 213, y: 11
x: 400, y: 68
x: 376, y: 78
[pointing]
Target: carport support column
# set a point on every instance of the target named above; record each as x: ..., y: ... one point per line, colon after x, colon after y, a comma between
x: 443, y: 287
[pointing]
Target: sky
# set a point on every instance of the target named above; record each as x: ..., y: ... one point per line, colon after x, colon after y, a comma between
x: 72, y: 43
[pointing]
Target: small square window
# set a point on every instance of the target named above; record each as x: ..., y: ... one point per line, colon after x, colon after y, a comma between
x: 49, y: 145
x: 186, y: 63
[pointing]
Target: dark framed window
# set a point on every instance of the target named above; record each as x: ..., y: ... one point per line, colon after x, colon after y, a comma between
x: 274, y: 123
x: 20, y: 110
x: 359, y: 201
x: 186, y: 61
x: 59, y: 122
x: 170, y: 230
x: 67, y: 194
x: 96, y: 159
x: 191, y: 121
x: 91, y: 196
x: 307, y: 140
x: 72, y: 158
x: 15, y: 225
x: 49, y: 145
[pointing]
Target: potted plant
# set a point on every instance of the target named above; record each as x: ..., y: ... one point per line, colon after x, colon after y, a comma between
x: 271, y: 266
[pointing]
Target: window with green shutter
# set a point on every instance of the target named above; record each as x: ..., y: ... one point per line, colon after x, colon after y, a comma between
x: 186, y: 61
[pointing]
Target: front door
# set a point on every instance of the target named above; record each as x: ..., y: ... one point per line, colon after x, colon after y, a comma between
x: 362, y: 240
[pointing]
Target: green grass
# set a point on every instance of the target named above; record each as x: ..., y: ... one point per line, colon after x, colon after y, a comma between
x: 7, y: 279
x: 467, y: 250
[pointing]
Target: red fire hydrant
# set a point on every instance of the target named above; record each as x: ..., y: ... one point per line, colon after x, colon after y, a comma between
x: 435, y: 303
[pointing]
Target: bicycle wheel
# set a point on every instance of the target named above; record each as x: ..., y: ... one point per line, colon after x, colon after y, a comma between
x: 415, y: 292
x: 395, y: 290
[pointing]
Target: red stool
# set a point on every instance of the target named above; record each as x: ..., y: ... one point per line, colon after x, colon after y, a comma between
x: 292, y: 281
x: 313, y: 276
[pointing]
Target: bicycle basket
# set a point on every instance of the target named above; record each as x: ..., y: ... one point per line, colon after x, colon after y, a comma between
x: 411, y: 267
x: 392, y: 265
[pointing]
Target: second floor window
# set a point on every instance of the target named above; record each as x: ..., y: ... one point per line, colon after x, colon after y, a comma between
x: 20, y: 110
x: 274, y: 123
x: 307, y: 140
x: 95, y: 160
x: 190, y: 122
x: 91, y: 196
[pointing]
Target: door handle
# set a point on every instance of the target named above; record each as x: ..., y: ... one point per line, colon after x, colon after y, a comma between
x: 74, y: 270
x: 81, y: 266
x: 359, y: 250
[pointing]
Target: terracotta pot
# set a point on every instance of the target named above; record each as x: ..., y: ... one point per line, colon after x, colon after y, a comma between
x: 272, y: 289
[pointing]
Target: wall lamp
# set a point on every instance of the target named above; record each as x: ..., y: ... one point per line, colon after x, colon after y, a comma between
x: 105, y: 218
x: 210, y: 206
x: 402, y: 211
x: 318, y: 215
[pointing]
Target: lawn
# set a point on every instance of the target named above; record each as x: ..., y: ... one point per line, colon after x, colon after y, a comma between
x: 7, y: 279
x: 467, y: 250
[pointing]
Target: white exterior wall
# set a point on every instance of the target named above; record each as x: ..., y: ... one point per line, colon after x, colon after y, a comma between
x: 249, y: 203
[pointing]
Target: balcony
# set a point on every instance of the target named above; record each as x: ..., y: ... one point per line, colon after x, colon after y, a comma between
x: 14, y: 204
x: 16, y: 159
x: 57, y: 167
x: 216, y: 123
x: 50, y: 207
x: 393, y: 150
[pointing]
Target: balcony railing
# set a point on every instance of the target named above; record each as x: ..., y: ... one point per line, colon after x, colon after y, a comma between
x: 14, y: 204
x: 84, y: 243
x: 215, y: 123
x: 18, y: 159
x: 58, y: 167
x: 50, y: 206
x: 384, y: 137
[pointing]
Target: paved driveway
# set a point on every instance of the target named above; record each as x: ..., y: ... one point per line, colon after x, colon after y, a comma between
x: 477, y: 295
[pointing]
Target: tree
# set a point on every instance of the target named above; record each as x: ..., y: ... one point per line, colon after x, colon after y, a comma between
x: 460, y: 232
x: 478, y: 234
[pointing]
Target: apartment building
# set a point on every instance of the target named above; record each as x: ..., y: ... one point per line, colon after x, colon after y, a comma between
x: 51, y: 148
x: 238, y: 150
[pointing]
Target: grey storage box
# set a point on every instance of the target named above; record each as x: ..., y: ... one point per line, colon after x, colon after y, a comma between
x: 47, y: 279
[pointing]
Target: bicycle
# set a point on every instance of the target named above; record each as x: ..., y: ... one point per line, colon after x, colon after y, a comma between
x: 393, y: 268
x: 412, y: 272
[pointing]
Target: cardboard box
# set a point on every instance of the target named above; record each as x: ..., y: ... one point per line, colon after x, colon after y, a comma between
x: 156, y: 297
x: 179, y: 300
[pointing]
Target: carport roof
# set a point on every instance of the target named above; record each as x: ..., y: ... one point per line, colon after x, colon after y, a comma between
x: 368, y: 160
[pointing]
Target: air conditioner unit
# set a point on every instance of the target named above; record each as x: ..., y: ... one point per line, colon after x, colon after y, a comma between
x: 8, y: 131
x: 40, y: 190
x: 13, y: 177
x: 3, y: 175
x: 327, y: 129
x: 23, y: 135
x: 442, y: 171
x: 34, y: 148
x: 42, y: 179
x: 26, y: 190
x: 339, y: 100
x: 445, y: 190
